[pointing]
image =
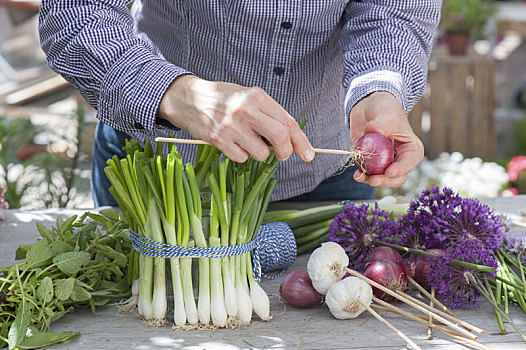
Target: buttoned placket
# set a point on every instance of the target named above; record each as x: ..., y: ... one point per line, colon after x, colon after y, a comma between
x: 282, y: 48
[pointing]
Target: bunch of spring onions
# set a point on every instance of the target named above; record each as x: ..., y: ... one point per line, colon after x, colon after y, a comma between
x: 213, y: 203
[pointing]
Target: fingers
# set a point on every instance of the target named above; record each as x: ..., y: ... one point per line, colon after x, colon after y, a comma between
x: 289, y: 130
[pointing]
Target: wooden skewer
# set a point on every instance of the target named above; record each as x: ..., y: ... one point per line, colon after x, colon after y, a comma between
x: 430, y: 328
x: 443, y: 314
x: 391, y: 308
x: 391, y: 327
x: 405, y: 299
x: 201, y: 142
x: 431, y: 297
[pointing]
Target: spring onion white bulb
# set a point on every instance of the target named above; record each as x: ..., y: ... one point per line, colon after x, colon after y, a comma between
x: 326, y: 266
x: 346, y: 298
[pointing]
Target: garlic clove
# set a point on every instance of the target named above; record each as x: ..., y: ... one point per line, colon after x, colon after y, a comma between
x: 346, y: 298
x: 326, y: 266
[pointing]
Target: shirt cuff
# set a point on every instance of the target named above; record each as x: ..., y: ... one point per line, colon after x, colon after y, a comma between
x: 382, y: 80
x: 133, y: 90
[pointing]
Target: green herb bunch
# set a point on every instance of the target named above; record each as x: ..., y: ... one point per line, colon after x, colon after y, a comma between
x: 79, y: 262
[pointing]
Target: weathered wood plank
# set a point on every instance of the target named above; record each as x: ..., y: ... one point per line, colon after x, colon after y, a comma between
x: 459, y: 132
x: 290, y: 328
x: 437, y: 106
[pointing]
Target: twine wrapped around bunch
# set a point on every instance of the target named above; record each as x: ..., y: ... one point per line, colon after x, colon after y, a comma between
x: 274, y: 249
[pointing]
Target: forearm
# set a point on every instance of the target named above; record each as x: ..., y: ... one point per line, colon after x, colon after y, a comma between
x: 91, y: 43
x: 386, y: 48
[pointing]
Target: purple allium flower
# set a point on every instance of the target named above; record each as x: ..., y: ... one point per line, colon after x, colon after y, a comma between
x: 452, y: 282
x: 515, y: 243
x: 355, y: 229
x: 417, y: 228
x: 438, y: 218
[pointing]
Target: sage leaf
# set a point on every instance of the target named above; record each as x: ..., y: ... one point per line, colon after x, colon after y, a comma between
x: 41, y: 339
x: 45, y: 233
x: 22, y: 250
x: 45, y: 290
x: 39, y: 254
x: 63, y: 288
x: 79, y: 294
x: 60, y: 246
x: 71, y: 262
x: 18, y: 329
x: 59, y: 314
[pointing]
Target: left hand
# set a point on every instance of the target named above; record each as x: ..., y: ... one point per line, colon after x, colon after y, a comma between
x: 381, y: 112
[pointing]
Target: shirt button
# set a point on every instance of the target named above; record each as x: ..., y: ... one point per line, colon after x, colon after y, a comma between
x: 286, y: 25
x: 279, y: 70
x: 138, y: 125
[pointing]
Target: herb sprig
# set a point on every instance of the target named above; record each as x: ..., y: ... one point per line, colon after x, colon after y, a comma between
x: 82, y: 261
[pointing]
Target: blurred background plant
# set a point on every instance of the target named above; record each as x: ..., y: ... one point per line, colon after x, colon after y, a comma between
x: 36, y: 176
x: 470, y: 177
x: 466, y: 16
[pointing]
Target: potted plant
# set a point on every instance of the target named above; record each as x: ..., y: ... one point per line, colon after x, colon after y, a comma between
x: 463, y: 18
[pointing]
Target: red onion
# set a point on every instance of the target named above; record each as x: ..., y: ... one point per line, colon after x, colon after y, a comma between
x: 381, y: 253
x: 388, y: 274
x: 423, y: 267
x: 297, y: 290
x: 376, y: 153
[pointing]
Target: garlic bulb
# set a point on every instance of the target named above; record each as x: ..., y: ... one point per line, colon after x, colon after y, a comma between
x: 326, y: 266
x: 346, y: 298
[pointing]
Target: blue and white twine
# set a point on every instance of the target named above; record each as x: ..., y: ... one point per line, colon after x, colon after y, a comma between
x: 274, y: 249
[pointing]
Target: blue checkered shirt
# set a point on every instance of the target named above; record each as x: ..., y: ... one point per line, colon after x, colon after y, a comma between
x: 316, y: 58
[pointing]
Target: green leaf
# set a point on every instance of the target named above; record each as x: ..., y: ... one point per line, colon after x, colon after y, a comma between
x: 22, y: 250
x: 99, y: 218
x: 63, y: 288
x: 45, y: 290
x: 60, y: 246
x: 39, y: 254
x: 60, y: 314
x: 65, y: 225
x: 82, y: 284
x: 41, y: 339
x: 49, y: 312
x: 45, y: 233
x: 79, y: 294
x: 18, y: 329
x: 111, y: 214
x: 71, y: 262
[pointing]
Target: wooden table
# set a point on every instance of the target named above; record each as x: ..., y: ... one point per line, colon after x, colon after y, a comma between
x: 290, y: 328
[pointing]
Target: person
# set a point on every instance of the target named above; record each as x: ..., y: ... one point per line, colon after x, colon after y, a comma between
x: 243, y: 74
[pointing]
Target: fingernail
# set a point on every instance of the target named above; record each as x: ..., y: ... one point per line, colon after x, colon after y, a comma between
x: 308, y: 155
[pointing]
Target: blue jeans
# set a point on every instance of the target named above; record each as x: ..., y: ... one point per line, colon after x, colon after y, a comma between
x: 109, y: 141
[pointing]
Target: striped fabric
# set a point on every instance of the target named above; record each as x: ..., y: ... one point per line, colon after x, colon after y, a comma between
x: 317, y: 58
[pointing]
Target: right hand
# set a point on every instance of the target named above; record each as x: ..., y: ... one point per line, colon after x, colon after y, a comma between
x: 230, y: 117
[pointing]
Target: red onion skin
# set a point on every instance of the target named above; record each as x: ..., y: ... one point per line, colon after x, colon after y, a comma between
x: 423, y: 267
x: 378, y: 153
x: 388, y: 274
x: 297, y: 290
x: 382, y: 252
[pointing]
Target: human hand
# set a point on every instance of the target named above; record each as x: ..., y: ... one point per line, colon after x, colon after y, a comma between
x: 381, y: 112
x: 230, y: 117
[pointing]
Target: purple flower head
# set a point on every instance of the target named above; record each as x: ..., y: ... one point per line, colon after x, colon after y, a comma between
x: 355, y: 229
x: 417, y: 227
x: 452, y: 282
x: 473, y: 220
x: 441, y: 217
x: 515, y: 242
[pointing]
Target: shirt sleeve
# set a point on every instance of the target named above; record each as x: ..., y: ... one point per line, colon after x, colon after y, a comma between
x: 92, y: 45
x: 386, y: 47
